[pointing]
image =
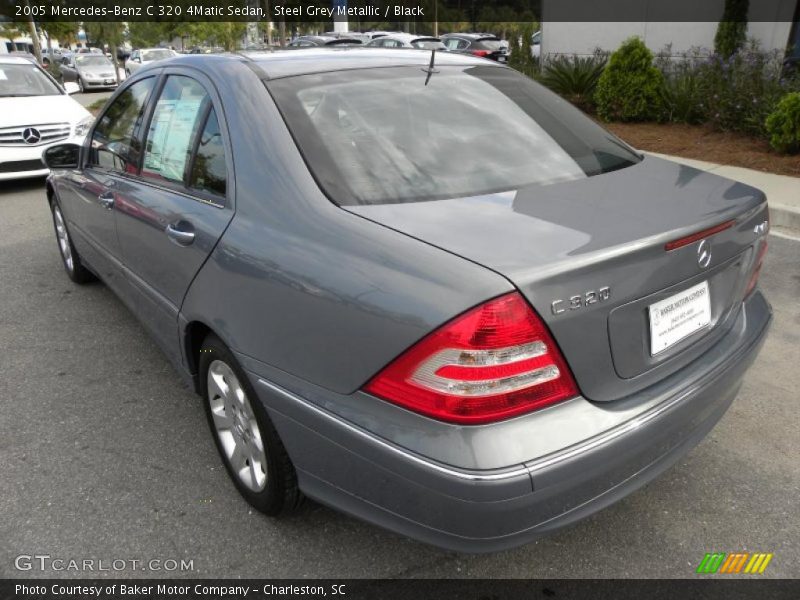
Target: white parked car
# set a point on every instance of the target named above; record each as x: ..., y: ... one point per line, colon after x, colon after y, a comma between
x: 145, y: 56
x: 35, y: 113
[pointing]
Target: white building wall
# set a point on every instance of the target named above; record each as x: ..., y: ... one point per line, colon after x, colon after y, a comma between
x: 584, y: 37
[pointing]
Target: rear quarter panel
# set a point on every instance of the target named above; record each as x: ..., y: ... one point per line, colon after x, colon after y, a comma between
x: 303, y: 286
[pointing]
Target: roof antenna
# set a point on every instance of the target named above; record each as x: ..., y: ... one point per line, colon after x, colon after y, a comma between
x: 430, y: 70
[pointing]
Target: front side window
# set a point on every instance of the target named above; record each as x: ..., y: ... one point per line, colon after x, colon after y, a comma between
x: 176, y: 119
x: 378, y: 136
x: 25, y: 80
x: 115, y: 145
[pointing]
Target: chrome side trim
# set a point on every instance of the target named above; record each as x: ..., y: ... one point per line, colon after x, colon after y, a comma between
x: 533, y: 466
x: 466, y: 475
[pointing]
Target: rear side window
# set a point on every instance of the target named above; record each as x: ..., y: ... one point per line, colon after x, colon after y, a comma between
x: 209, y: 173
x: 115, y: 145
x: 176, y: 120
x: 378, y: 136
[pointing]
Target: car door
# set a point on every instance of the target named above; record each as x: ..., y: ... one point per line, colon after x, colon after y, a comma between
x: 174, y: 211
x: 90, y: 193
x: 67, y: 69
x: 133, y: 62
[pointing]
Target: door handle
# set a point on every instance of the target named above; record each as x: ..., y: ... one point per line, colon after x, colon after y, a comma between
x: 106, y: 200
x: 181, y: 236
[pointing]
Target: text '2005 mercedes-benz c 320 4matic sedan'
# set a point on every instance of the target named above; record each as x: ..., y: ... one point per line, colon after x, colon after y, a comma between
x: 434, y: 296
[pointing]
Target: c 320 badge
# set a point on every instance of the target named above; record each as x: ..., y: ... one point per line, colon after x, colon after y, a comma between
x: 581, y: 300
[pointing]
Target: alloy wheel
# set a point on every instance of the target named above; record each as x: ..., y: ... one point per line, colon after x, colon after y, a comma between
x: 236, y: 427
x: 63, y: 239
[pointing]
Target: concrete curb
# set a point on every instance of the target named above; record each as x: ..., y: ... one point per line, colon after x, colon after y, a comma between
x: 781, y: 215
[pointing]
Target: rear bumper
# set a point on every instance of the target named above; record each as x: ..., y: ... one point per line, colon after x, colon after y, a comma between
x: 350, y: 468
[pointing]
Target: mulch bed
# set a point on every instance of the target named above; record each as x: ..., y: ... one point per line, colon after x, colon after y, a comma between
x: 703, y: 143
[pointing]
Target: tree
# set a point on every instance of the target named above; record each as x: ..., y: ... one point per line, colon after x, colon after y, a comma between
x: 11, y: 30
x: 732, y: 29
x: 220, y: 33
x: 142, y: 34
x: 106, y: 32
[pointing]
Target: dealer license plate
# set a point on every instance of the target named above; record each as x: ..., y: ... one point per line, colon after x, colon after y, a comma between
x: 679, y: 316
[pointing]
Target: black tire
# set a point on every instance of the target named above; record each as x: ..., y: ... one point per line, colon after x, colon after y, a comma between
x: 280, y: 494
x: 81, y: 86
x: 74, y: 267
x: 127, y: 73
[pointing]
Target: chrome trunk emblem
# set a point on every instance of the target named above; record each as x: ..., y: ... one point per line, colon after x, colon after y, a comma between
x: 704, y: 254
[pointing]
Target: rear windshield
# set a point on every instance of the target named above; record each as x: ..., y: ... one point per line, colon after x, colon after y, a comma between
x: 489, y: 44
x: 379, y: 136
x: 427, y: 43
x: 149, y: 55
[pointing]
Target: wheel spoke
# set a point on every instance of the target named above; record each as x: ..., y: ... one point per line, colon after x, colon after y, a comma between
x: 236, y: 426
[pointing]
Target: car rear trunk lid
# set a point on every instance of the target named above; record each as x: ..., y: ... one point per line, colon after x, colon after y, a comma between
x: 595, y: 247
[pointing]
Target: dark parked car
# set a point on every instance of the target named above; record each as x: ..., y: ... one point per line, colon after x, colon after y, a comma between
x: 484, y: 45
x: 470, y: 348
x: 315, y: 41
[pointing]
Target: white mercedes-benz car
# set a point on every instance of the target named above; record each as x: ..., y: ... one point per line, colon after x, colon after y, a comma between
x: 35, y: 113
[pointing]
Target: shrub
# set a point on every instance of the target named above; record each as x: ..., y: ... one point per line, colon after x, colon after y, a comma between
x: 630, y: 88
x: 730, y: 94
x: 783, y: 124
x: 575, y: 77
x: 742, y: 90
x: 682, y: 97
x: 520, y: 48
x: 732, y: 29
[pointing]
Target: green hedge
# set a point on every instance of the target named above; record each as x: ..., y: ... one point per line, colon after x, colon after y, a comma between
x: 630, y: 88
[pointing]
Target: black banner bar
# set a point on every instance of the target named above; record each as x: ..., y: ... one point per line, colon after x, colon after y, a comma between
x: 711, y: 588
x: 391, y: 11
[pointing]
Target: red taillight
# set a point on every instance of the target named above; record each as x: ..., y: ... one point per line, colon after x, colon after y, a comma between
x: 762, y: 252
x: 689, y: 239
x: 492, y: 362
x: 481, y: 52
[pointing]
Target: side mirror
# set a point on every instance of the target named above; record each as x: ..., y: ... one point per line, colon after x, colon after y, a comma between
x: 62, y: 156
x: 71, y: 87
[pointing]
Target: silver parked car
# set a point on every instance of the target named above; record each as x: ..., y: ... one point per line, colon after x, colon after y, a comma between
x: 90, y: 71
x: 143, y: 57
x: 407, y: 40
x: 473, y: 340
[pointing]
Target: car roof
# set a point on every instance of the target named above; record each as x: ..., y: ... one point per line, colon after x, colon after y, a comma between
x: 287, y: 63
x: 473, y: 36
x: 14, y: 59
x: 407, y: 37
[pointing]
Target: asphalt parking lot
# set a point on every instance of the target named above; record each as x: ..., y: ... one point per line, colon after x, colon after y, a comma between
x: 104, y: 454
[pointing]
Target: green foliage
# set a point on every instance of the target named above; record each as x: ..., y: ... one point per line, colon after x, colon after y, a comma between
x: 65, y: 32
x: 732, y: 29
x: 575, y: 77
x: 218, y: 33
x: 630, y: 88
x: 105, y: 32
x: 143, y: 34
x: 520, y: 47
x: 783, y: 124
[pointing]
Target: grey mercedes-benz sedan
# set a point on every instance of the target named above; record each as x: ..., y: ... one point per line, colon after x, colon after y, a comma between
x: 421, y: 289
